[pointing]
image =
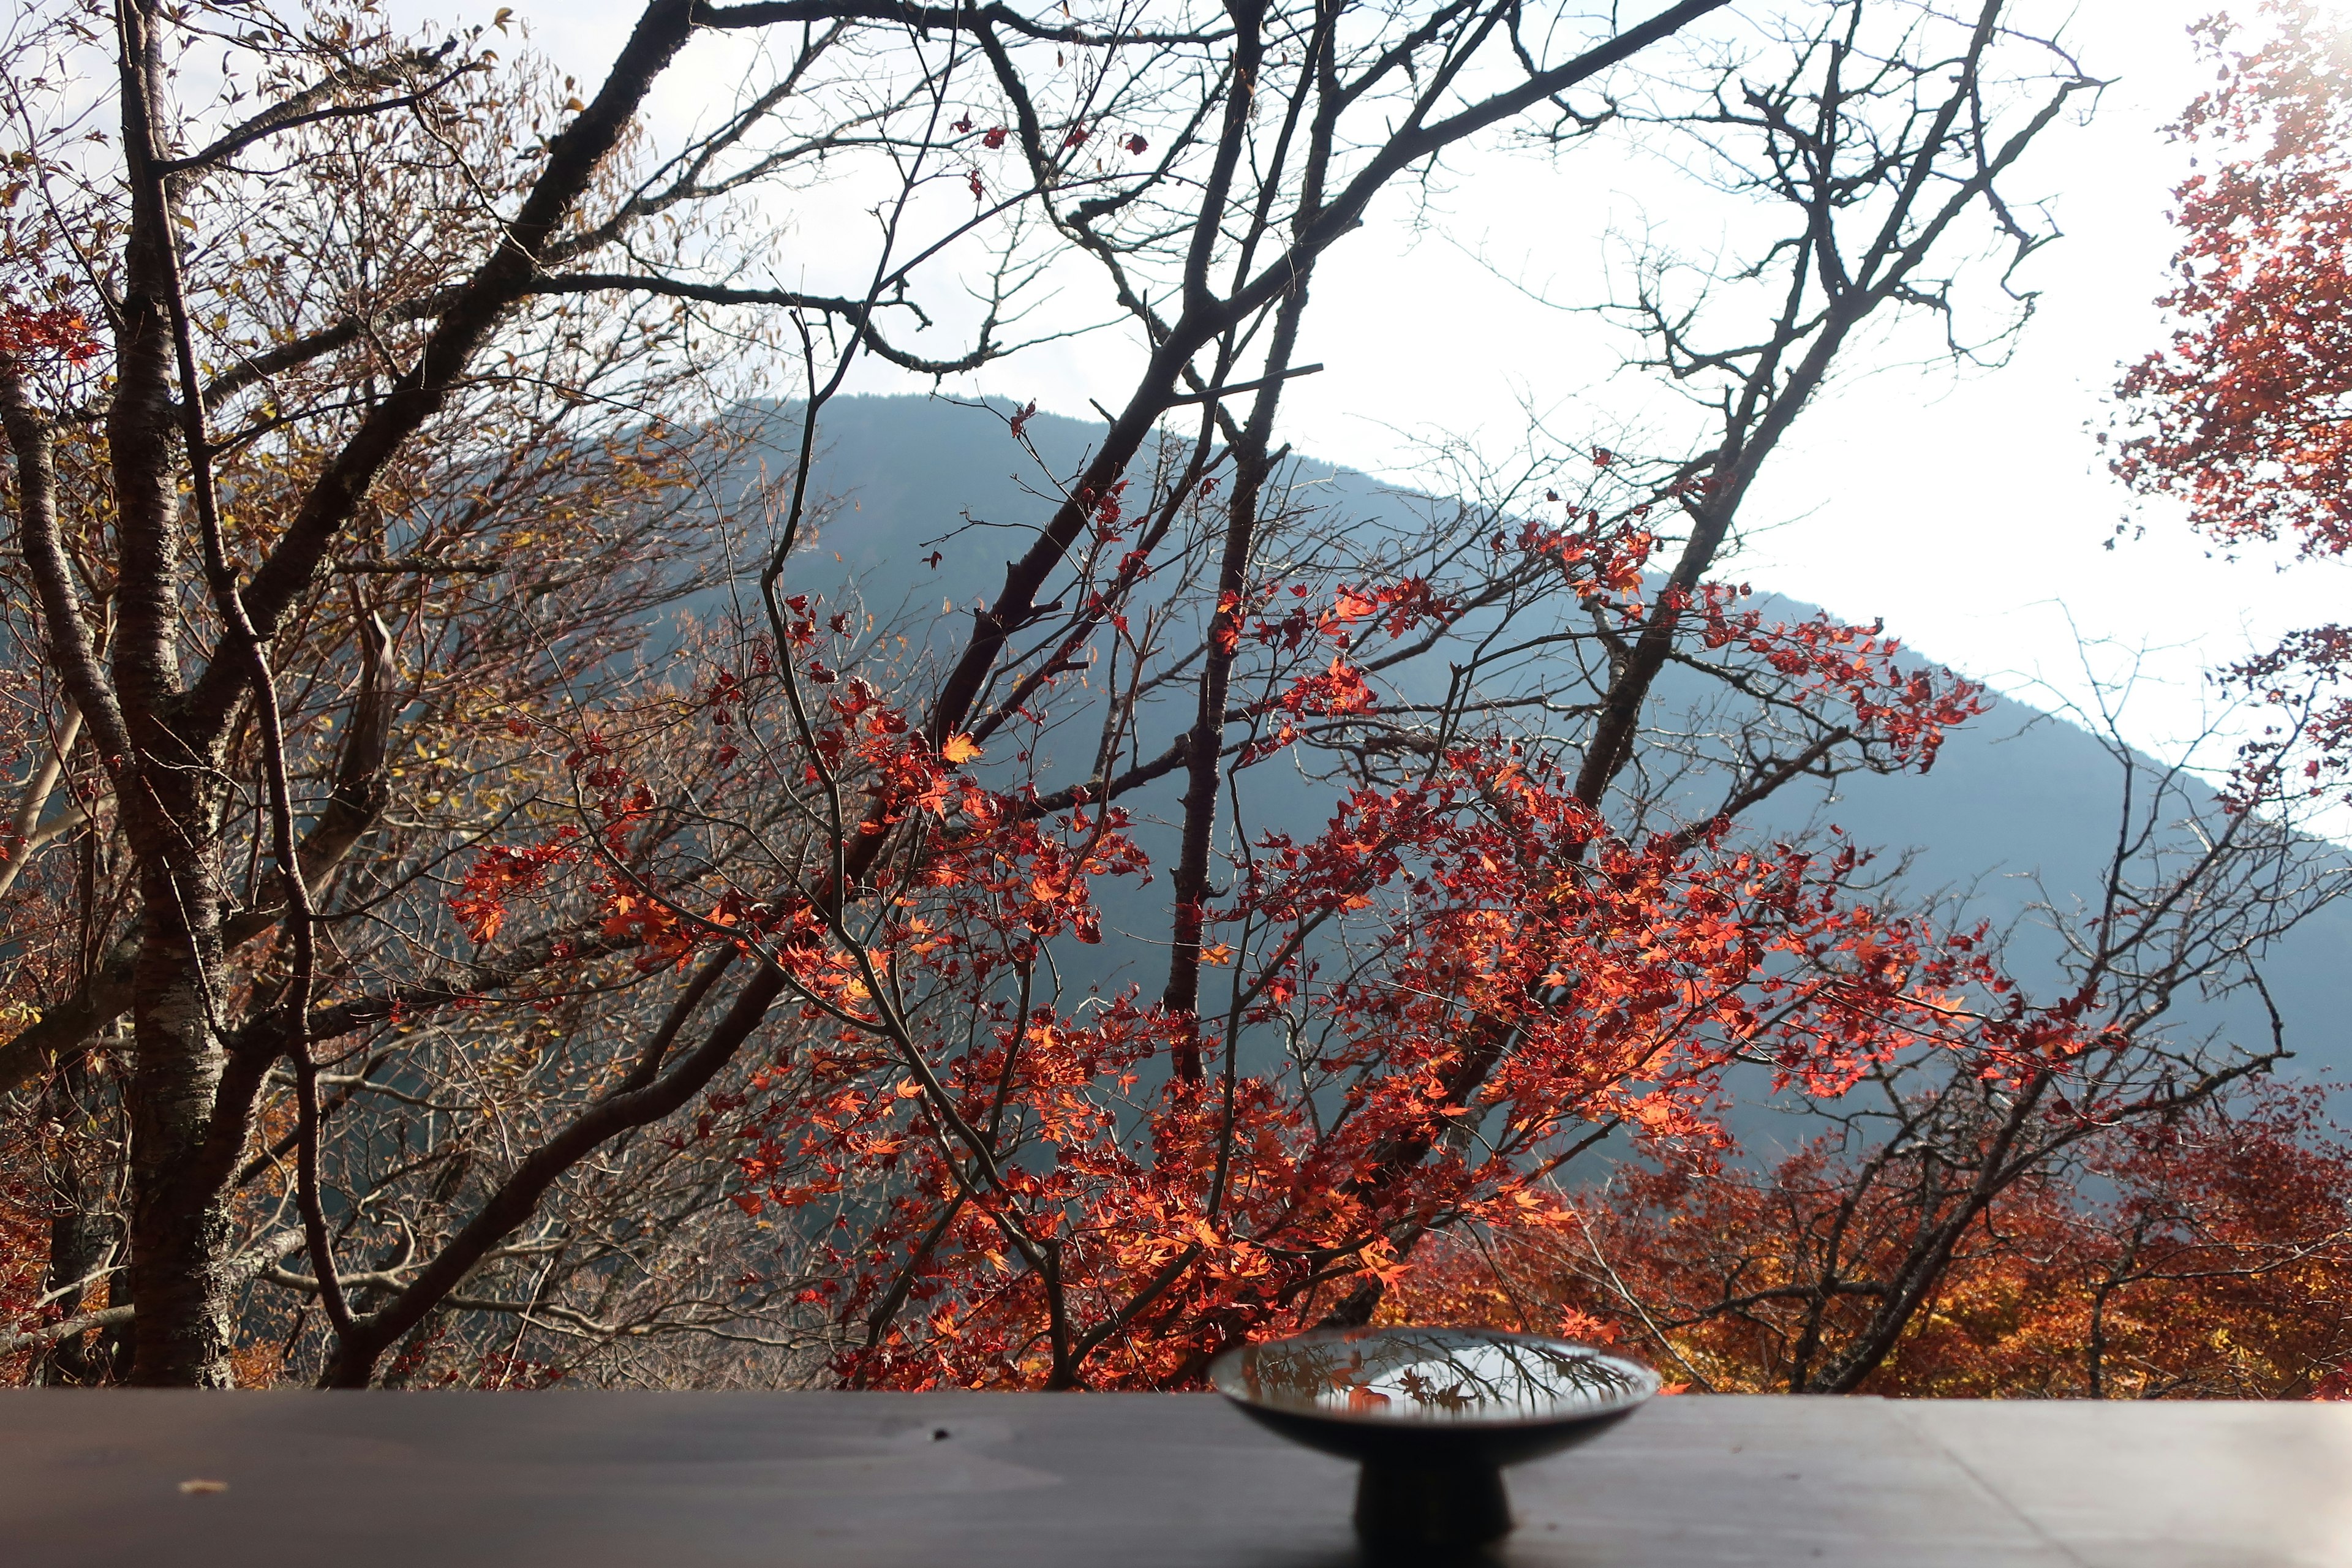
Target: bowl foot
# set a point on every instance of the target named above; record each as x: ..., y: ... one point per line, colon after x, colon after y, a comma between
x: 1425, y: 1510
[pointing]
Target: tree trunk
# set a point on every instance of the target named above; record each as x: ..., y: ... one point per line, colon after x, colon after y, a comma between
x: 179, y: 1223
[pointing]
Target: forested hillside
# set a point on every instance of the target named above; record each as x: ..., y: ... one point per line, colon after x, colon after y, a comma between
x: 2020, y: 816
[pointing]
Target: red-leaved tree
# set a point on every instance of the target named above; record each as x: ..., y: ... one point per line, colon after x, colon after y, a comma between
x: 2246, y: 416
x: 1506, y: 921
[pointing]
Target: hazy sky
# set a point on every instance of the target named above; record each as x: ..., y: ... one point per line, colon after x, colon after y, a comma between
x: 1971, y: 511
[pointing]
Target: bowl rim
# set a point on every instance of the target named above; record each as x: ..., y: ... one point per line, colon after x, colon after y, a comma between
x: 1228, y: 1363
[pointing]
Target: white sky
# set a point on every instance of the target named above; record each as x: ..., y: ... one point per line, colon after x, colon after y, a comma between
x: 1971, y: 511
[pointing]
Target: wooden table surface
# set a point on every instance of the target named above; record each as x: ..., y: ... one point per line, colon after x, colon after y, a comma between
x: 583, y: 1481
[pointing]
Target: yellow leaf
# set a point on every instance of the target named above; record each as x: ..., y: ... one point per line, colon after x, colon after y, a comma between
x: 959, y: 749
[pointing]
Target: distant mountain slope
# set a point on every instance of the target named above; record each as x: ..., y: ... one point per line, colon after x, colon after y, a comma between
x: 2018, y: 803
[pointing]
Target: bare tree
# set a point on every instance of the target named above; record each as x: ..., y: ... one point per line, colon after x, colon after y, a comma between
x: 402, y: 343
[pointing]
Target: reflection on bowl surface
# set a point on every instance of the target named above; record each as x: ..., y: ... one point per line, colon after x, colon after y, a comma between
x: 1441, y: 1377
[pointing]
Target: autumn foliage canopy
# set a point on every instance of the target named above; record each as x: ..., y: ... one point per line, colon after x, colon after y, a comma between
x: 496, y: 900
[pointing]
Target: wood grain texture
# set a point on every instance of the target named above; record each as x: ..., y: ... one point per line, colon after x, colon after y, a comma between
x: 584, y: 1480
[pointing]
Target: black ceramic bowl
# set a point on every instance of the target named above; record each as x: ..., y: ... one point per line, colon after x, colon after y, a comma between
x: 1432, y: 1414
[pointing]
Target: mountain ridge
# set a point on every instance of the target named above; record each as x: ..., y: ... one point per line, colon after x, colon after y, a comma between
x: 2020, y: 805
